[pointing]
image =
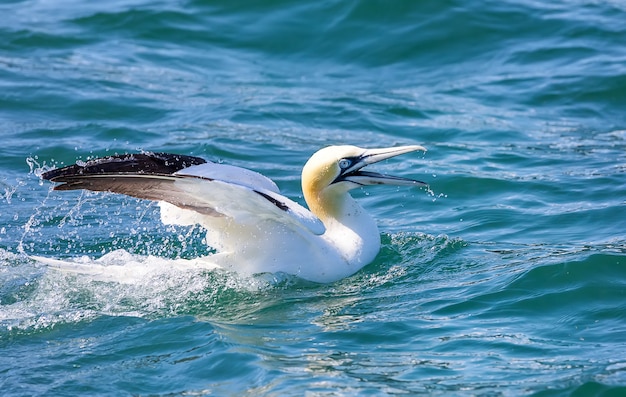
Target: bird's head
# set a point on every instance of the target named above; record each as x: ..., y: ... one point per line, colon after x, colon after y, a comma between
x: 334, y: 170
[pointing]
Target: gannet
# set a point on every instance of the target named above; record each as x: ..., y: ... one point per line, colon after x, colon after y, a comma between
x: 251, y: 225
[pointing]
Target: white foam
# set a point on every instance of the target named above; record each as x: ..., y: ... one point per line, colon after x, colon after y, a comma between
x: 43, y: 292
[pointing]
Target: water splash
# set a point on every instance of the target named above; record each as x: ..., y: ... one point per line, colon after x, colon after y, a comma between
x: 41, y: 293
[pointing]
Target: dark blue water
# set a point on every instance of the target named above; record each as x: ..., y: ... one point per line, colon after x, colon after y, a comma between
x: 507, y: 278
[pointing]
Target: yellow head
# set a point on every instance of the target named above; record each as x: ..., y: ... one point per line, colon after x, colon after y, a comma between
x: 334, y: 170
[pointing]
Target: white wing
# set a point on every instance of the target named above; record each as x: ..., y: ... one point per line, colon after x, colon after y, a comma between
x: 230, y: 174
x: 259, y: 184
x: 210, y: 189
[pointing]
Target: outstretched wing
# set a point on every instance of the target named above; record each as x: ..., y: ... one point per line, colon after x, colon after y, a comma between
x: 190, y: 183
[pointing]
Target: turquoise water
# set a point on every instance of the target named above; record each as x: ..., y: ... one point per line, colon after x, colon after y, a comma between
x: 507, y: 278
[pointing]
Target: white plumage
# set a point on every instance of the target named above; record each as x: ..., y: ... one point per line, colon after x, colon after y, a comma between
x: 254, y: 228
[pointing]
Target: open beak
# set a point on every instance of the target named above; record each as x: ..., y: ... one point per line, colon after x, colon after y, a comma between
x: 354, y: 174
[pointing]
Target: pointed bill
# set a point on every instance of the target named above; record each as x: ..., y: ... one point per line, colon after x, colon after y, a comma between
x: 371, y: 156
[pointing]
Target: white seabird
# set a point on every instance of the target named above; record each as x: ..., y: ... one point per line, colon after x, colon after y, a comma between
x: 252, y: 226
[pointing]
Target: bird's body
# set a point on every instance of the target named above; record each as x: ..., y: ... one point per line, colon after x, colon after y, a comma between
x: 254, y: 228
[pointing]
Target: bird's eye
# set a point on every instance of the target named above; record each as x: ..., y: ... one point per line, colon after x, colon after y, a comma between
x: 344, y: 163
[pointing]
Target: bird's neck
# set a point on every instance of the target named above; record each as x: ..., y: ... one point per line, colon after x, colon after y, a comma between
x: 348, y: 226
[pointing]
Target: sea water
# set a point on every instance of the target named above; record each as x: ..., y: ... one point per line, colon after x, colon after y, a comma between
x: 506, y: 277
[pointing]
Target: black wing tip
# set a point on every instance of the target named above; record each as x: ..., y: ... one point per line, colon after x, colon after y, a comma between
x: 68, y: 186
x: 138, y: 163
